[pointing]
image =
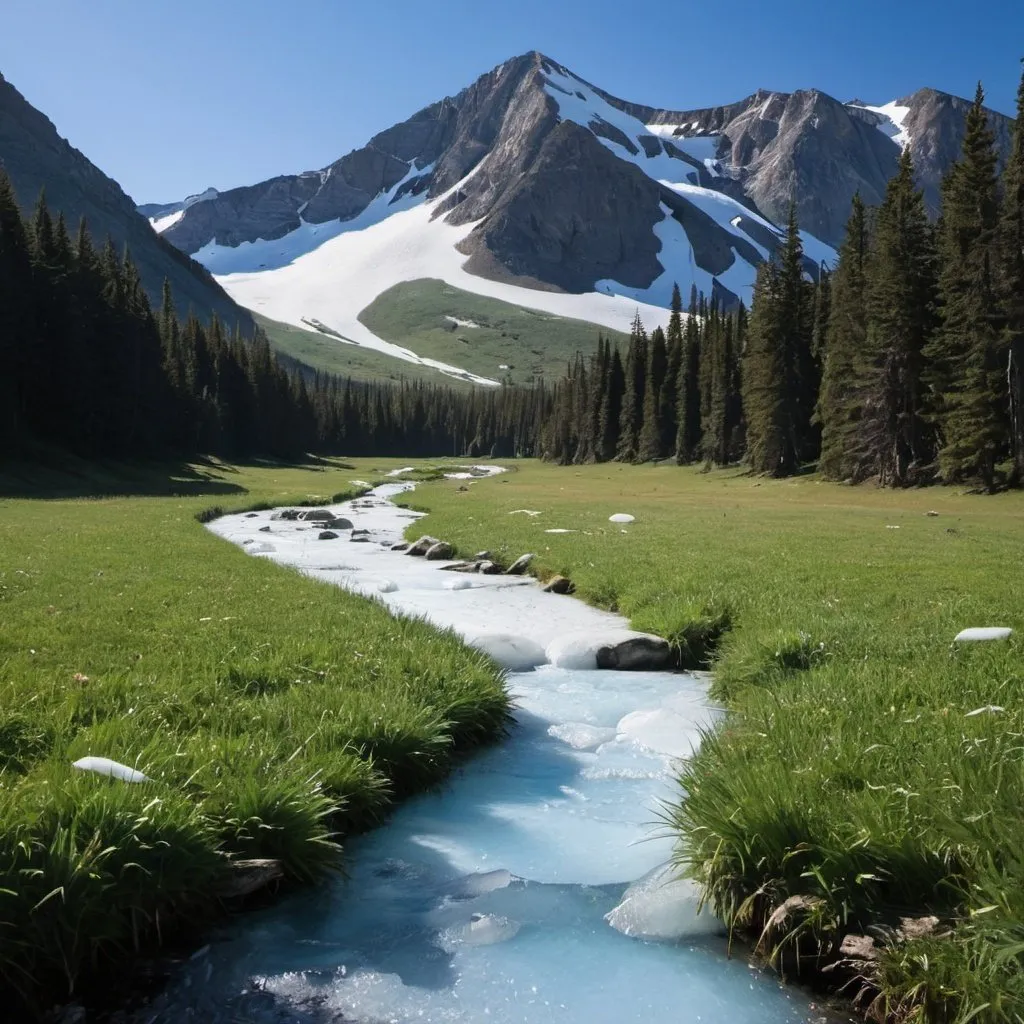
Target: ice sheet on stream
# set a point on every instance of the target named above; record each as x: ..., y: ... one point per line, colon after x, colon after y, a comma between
x: 487, y: 900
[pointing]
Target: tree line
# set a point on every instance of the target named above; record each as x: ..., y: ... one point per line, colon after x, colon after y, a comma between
x: 904, y: 363
x: 87, y: 366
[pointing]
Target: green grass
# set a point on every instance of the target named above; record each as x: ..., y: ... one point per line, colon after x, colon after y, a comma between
x: 273, y: 713
x: 532, y: 343
x: 332, y: 355
x: 855, y: 775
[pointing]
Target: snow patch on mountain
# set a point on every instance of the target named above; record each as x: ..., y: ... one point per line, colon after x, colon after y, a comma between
x: 161, y: 224
x: 892, y: 124
x: 332, y: 283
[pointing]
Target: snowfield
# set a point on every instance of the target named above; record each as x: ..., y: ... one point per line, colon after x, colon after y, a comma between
x: 893, y: 126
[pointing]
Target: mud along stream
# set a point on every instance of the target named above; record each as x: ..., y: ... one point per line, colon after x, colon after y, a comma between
x: 531, y: 887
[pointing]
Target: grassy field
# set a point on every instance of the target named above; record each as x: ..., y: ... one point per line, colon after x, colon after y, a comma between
x: 272, y: 713
x: 415, y: 315
x: 870, y: 771
x: 333, y: 356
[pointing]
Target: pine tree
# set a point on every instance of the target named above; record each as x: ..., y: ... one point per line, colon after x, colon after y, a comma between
x: 611, y: 408
x: 895, y: 441
x: 1011, y: 286
x: 966, y: 375
x: 649, y: 442
x: 688, y: 429
x: 669, y: 398
x: 631, y: 416
x: 840, y: 402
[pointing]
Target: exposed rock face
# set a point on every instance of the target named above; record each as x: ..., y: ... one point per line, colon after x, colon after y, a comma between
x: 34, y: 155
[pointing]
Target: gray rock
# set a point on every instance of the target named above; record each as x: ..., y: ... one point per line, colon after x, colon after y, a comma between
x: 288, y: 514
x: 264, y: 529
x: 482, y: 555
x: 439, y: 551
x: 559, y: 585
x: 459, y: 567
x: 639, y: 654
x: 360, y: 533
x: 340, y: 523
x: 359, y: 539
x: 421, y: 546
x: 488, y: 568
x: 402, y: 546
x: 251, y: 515
x: 518, y: 567
x: 317, y: 515
x: 327, y: 535
x: 249, y: 876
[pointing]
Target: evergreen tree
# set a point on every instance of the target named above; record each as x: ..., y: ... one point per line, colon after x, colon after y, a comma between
x: 631, y: 416
x: 840, y: 402
x: 894, y: 440
x: 688, y: 429
x: 611, y: 408
x: 669, y: 398
x: 1011, y: 286
x: 966, y: 374
x: 649, y: 443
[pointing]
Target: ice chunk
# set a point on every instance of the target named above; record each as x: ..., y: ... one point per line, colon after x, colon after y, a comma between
x: 516, y: 653
x: 104, y: 766
x: 581, y: 736
x: 387, y: 586
x: 663, y: 730
x: 977, y: 633
x: 622, y: 517
x: 458, y: 584
x: 484, y: 882
x: 480, y: 930
x: 560, y: 530
x: 662, y: 906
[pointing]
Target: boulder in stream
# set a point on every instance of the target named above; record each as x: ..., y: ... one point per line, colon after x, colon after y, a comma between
x: 421, y: 546
x: 488, y: 568
x: 559, y: 585
x: 641, y: 653
x: 326, y: 535
x: 519, y: 566
x: 340, y: 523
x: 317, y: 515
x: 439, y: 552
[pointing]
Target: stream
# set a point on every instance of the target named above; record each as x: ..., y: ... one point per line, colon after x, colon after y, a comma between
x: 532, y: 887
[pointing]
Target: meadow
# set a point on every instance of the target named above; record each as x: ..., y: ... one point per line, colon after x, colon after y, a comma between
x: 867, y: 785
x: 272, y: 714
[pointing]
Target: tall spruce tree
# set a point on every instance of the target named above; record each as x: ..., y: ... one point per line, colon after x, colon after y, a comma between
x: 840, y: 402
x: 967, y: 377
x: 688, y: 387
x: 895, y: 441
x: 1011, y: 286
x: 649, y: 442
x: 631, y: 416
x: 779, y: 374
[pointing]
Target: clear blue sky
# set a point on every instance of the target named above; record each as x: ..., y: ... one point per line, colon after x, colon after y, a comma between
x: 170, y: 97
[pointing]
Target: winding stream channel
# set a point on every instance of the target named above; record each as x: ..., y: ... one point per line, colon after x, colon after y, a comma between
x: 531, y: 888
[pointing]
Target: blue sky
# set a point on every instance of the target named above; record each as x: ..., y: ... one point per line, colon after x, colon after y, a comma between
x: 169, y: 98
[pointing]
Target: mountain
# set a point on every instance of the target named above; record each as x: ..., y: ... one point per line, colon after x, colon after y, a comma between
x: 533, y: 186
x: 34, y: 156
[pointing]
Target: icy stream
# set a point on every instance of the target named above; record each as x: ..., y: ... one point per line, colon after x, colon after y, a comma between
x: 509, y: 895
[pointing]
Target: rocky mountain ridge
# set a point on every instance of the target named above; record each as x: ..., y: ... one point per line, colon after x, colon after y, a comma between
x: 35, y: 156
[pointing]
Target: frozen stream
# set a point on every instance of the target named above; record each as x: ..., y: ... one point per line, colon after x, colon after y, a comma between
x: 487, y: 901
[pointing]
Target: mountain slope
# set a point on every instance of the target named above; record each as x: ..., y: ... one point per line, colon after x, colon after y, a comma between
x: 536, y: 188
x: 34, y: 156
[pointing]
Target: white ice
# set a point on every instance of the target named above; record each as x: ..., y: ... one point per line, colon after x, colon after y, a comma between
x: 621, y: 517
x: 487, y: 900
x: 976, y: 633
x: 161, y: 224
x: 661, y: 905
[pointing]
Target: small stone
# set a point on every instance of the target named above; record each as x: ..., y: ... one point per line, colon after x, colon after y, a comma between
x: 264, y: 529
x: 340, y: 523
x: 459, y: 567
x: 518, y: 567
x: 858, y: 947
x: 488, y: 568
x: 249, y: 876
x: 327, y: 535
x: 361, y: 539
x: 360, y: 533
x: 317, y: 515
x: 402, y: 546
x: 251, y: 515
x: 559, y: 585
x: 439, y: 551
x: 931, y: 512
